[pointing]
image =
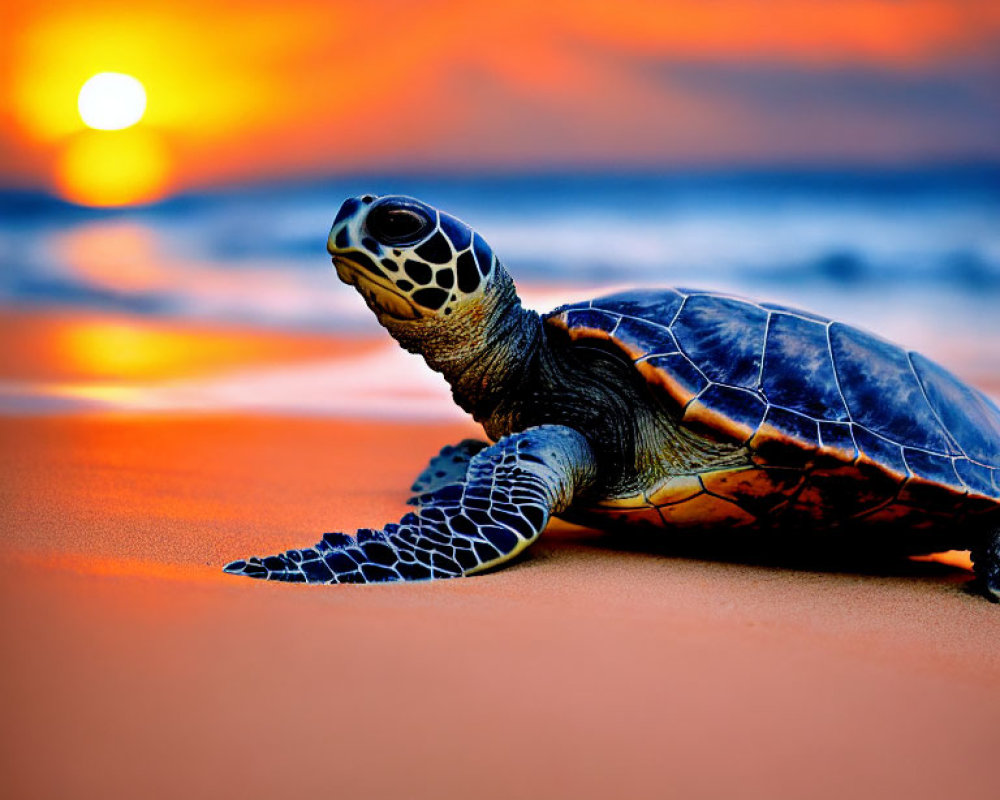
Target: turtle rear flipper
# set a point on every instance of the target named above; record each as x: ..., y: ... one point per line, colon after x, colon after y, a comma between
x: 986, y: 560
x: 509, y: 492
x: 447, y: 467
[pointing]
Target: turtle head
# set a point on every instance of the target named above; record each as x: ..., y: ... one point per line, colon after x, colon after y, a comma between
x: 408, y: 260
x: 436, y: 286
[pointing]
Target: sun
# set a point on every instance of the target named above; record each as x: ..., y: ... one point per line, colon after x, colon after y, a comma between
x: 110, y: 101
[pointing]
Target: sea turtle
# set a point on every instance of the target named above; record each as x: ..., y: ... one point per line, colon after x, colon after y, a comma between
x: 674, y: 408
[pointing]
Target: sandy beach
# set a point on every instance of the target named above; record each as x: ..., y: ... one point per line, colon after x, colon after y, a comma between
x: 590, y: 668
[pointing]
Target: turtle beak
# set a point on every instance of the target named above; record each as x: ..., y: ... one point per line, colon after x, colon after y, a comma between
x: 382, y: 298
x: 344, y: 272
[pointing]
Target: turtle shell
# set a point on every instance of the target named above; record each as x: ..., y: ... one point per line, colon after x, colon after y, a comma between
x: 837, y: 421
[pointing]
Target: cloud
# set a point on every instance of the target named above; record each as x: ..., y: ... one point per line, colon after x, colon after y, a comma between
x: 861, y: 112
x: 971, y: 91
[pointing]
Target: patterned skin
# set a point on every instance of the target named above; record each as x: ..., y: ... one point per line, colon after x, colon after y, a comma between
x: 672, y: 408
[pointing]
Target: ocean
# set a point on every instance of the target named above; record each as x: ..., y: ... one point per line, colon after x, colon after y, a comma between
x: 913, y: 255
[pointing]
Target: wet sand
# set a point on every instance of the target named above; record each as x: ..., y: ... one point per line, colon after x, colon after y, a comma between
x: 133, y: 665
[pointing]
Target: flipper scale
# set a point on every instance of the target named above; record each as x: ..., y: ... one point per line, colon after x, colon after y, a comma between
x: 460, y: 528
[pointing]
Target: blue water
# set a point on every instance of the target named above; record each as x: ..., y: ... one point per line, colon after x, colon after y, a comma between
x: 912, y: 254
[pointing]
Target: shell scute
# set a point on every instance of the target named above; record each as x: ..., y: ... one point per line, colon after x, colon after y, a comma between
x: 724, y: 337
x: 696, y: 510
x: 632, y: 503
x: 642, y: 516
x: 934, y: 469
x: 760, y: 491
x: 837, y: 442
x: 975, y: 476
x: 880, y: 451
x: 639, y: 338
x: 876, y: 427
x: 838, y: 495
x: 786, y: 437
x: 933, y: 480
x: 675, y: 374
x: 894, y: 513
x: 661, y: 305
x: 735, y: 412
x: 882, y: 392
x: 798, y: 312
x: 675, y: 489
x: 588, y: 321
x: 798, y: 369
x: 971, y: 419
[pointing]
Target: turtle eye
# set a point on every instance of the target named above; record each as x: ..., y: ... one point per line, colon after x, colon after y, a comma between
x: 391, y: 223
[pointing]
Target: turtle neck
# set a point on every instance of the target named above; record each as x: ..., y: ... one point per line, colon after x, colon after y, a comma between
x: 484, y: 349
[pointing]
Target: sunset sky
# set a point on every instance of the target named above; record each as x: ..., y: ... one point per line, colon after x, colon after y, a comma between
x: 246, y: 90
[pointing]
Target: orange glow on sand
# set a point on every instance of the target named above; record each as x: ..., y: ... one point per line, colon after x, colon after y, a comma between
x: 111, y: 168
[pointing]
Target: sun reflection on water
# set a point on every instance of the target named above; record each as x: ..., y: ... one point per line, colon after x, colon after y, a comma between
x: 113, y: 168
x: 122, y: 350
x: 114, y: 255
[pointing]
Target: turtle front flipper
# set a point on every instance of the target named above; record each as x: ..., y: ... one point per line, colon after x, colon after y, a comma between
x: 509, y: 492
x: 986, y: 560
x: 447, y: 467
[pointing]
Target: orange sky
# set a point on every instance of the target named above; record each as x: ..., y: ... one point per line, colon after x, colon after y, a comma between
x: 239, y: 90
